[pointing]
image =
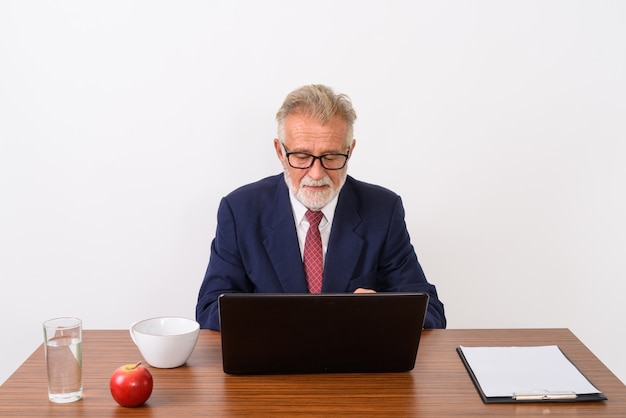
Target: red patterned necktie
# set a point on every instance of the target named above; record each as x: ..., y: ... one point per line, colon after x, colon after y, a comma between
x: 313, y: 265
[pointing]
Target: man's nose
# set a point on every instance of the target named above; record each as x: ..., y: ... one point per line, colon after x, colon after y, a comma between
x: 317, y: 171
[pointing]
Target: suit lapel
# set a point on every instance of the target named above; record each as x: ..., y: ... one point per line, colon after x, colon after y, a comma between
x: 281, y: 242
x: 345, y: 245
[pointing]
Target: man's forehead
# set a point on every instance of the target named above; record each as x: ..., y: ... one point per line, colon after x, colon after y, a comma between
x: 299, y: 128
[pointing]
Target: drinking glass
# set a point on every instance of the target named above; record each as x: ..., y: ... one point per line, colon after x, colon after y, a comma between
x: 64, y: 359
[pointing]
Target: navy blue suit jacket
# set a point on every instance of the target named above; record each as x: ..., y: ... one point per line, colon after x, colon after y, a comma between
x: 256, y: 248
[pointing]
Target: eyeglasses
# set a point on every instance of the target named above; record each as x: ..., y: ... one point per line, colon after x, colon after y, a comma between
x: 304, y: 160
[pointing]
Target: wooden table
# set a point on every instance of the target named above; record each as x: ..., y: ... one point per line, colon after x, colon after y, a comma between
x: 439, y: 386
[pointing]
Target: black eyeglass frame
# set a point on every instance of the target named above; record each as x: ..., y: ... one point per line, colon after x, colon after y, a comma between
x: 316, y: 157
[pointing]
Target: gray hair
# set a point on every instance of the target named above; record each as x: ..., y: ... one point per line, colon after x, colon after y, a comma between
x: 319, y: 102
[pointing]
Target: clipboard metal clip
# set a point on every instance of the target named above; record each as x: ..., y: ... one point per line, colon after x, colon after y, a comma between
x: 543, y: 395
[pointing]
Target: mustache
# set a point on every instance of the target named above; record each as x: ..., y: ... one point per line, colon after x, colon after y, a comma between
x: 308, y: 181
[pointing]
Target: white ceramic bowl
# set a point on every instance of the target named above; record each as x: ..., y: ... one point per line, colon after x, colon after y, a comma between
x: 165, y: 342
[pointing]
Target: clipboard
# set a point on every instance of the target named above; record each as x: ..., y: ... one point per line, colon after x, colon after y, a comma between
x: 497, y: 371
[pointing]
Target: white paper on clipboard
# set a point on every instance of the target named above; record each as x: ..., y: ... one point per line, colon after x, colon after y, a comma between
x: 503, y: 371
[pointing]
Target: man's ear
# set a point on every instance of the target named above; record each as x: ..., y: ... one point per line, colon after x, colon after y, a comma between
x: 352, y: 148
x: 279, y: 149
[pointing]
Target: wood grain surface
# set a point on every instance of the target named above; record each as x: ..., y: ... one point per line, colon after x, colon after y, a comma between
x: 439, y: 386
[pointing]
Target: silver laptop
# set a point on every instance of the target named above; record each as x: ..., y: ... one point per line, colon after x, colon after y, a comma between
x: 266, y: 333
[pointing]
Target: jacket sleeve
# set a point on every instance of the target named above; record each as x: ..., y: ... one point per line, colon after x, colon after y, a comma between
x: 400, y: 270
x: 225, y: 272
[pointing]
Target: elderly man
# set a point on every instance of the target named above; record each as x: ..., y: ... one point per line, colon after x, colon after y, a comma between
x: 312, y: 228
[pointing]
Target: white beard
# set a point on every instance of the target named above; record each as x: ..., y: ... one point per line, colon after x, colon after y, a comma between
x: 314, y: 200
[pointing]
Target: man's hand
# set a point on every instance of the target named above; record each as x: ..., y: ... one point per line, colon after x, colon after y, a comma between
x: 361, y: 290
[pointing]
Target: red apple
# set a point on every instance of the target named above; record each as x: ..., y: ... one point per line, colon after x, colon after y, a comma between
x: 131, y: 385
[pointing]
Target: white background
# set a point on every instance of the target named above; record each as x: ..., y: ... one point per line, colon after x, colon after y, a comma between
x: 500, y: 123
